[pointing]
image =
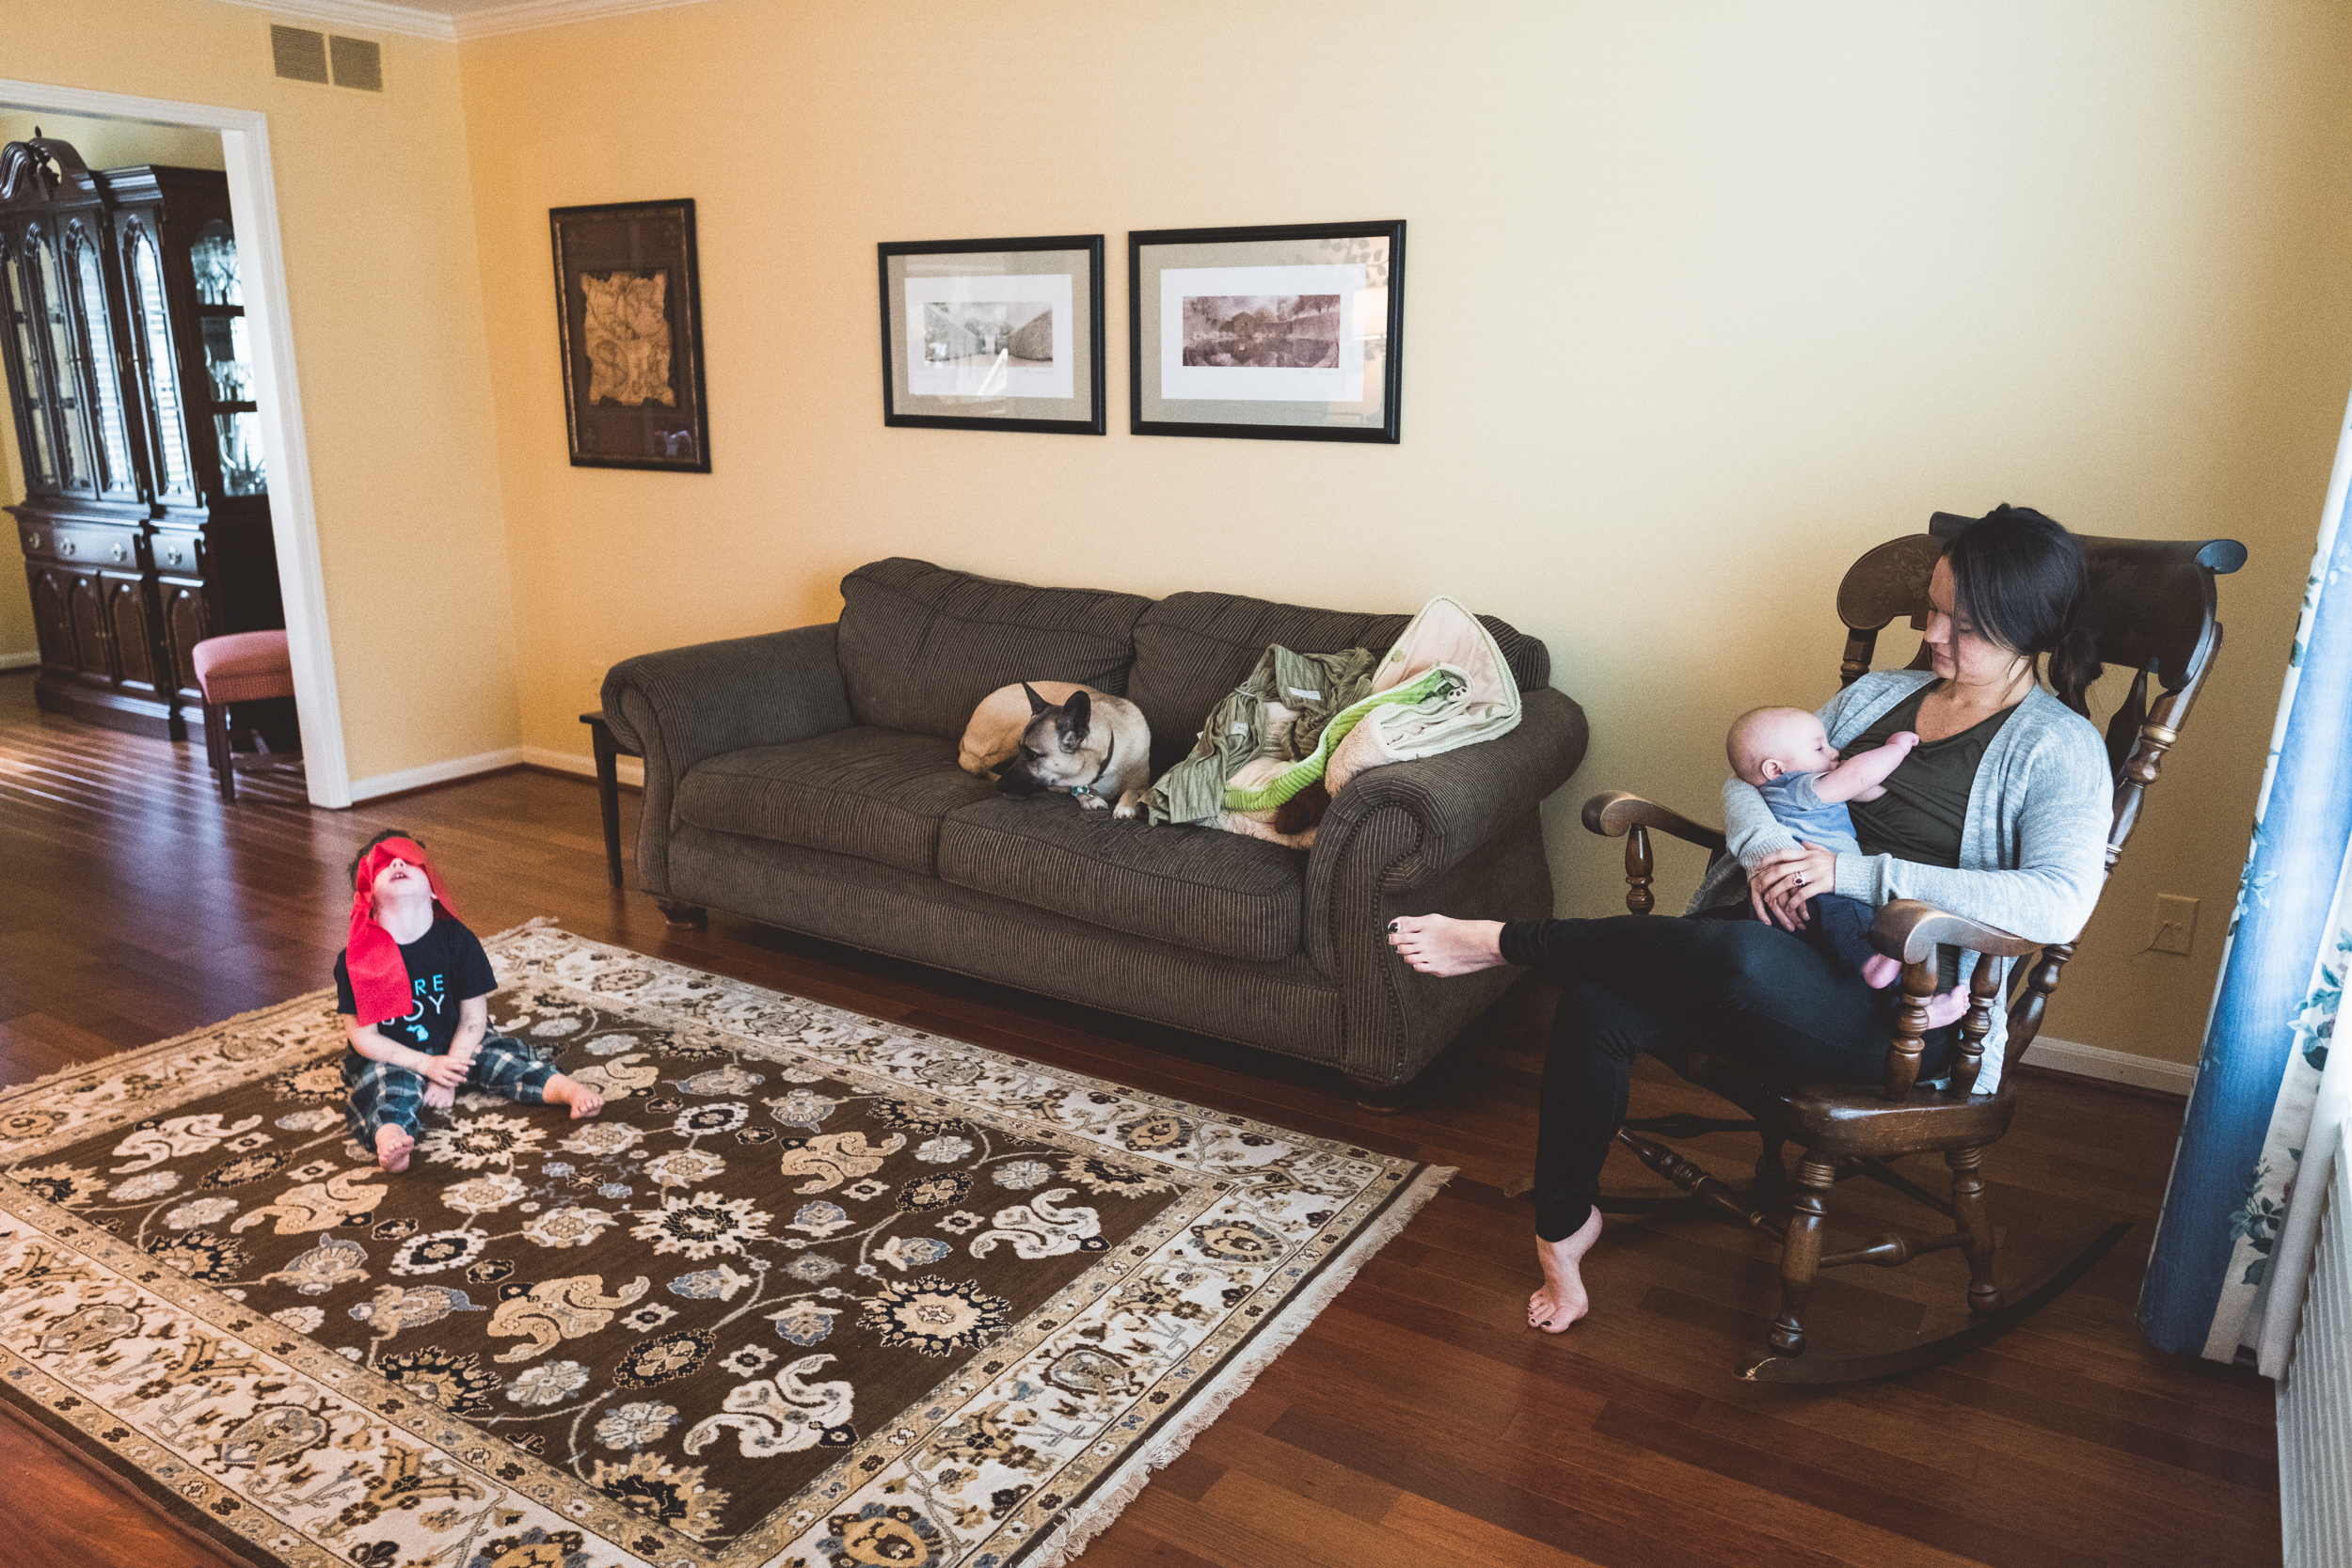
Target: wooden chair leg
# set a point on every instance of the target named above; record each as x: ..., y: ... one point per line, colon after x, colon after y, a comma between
x: 1976, y: 1219
x: 1800, y: 1253
x: 216, y: 750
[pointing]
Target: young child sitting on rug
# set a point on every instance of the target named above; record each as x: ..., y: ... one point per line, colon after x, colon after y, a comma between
x: 1785, y: 754
x: 414, y: 988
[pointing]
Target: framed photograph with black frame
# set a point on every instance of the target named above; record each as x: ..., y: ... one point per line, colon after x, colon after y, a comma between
x: 1291, y: 332
x: 994, y: 334
x: 628, y: 305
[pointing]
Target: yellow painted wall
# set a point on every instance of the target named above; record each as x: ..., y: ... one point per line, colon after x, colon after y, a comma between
x: 1702, y: 300
x: 386, y: 301
x: 102, y: 144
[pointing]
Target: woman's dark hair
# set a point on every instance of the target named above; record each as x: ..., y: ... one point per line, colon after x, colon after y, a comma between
x: 2019, y: 580
x: 352, y: 874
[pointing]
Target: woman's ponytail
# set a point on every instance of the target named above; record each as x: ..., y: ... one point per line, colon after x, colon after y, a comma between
x: 2074, y: 665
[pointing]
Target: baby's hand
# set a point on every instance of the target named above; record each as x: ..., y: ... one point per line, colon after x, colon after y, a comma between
x: 1903, y: 739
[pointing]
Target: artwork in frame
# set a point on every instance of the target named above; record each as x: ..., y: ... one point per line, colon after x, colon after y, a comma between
x: 994, y: 334
x: 628, y: 305
x: 1289, y: 332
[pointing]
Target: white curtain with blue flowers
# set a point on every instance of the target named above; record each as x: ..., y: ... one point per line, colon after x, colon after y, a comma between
x: 2234, y: 1242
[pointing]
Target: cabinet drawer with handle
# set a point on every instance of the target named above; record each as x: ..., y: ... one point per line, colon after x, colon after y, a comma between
x: 178, y: 555
x: 84, y: 545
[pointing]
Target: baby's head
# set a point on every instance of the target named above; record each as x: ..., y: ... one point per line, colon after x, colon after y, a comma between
x: 1768, y: 743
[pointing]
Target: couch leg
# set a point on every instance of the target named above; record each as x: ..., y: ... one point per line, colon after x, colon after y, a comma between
x: 684, y: 917
x: 1382, y: 1099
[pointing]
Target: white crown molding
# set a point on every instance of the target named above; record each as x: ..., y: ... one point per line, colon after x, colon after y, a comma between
x: 519, y: 16
x: 524, y: 16
x: 360, y: 16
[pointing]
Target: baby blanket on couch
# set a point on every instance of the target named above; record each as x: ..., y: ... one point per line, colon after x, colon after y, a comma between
x: 1303, y: 724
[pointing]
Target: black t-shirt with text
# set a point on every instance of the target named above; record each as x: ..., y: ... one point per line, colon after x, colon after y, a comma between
x: 446, y: 966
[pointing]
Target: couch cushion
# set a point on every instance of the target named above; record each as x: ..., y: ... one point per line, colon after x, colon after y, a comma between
x: 876, y: 794
x: 1199, y: 888
x: 920, y: 644
x: 1191, y: 649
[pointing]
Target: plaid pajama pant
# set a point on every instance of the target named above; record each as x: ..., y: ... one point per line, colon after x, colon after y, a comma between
x: 380, y: 1093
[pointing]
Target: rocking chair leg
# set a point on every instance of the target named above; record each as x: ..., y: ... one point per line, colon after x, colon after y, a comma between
x: 1801, y: 1256
x: 1772, y: 1176
x: 1975, y: 1216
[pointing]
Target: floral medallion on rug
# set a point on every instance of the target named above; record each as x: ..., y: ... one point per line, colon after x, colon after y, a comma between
x: 816, y: 1290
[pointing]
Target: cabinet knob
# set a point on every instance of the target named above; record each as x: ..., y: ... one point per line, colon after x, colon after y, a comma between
x: 66, y: 547
x: 32, y: 542
x: 173, y: 555
x: 118, y: 552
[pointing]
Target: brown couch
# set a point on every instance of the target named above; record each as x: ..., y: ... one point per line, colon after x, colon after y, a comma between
x: 808, y: 778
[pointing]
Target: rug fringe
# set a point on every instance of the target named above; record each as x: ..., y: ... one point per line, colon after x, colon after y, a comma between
x: 1080, y: 1527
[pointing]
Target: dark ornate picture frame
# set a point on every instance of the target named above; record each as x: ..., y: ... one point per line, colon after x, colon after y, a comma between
x: 1030, y: 360
x: 629, y: 308
x: 1296, y: 333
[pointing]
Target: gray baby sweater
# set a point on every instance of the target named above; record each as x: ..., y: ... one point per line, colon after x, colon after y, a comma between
x: 2032, y: 853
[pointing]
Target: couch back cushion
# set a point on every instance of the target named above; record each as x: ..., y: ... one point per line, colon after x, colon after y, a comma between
x: 920, y: 644
x: 1191, y: 649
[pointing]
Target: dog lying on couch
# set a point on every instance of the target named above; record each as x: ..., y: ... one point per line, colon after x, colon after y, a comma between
x: 1058, y: 737
x: 809, y: 779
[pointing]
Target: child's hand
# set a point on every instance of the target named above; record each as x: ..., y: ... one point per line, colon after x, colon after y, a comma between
x: 1903, y: 740
x: 444, y: 1072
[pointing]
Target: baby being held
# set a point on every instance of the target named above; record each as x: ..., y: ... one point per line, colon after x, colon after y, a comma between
x: 1785, y: 754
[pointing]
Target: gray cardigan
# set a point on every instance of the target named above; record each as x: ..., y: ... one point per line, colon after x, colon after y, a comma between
x: 2032, y: 853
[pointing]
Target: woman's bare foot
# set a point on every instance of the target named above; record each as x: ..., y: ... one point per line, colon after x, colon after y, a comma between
x: 584, y: 1101
x: 392, y: 1146
x: 1438, y: 945
x: 1563, y: 1300
x: 1878, y: 971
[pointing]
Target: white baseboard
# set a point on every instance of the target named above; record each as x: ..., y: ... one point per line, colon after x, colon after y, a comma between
x: 19, y: 661
x: 2115, y: 1067
x: 435, y: 772
x: 630, y: 770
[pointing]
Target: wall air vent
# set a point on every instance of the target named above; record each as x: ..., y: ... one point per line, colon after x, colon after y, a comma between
x: 359, y: 63
x: 299, y: 54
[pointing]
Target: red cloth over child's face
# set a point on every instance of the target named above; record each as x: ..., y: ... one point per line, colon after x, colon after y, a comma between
x: 379, y: 977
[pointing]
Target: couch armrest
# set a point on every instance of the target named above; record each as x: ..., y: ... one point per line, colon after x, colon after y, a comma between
x: 1454, y: 800
x: 681, y: 707
x: 1395, y: 836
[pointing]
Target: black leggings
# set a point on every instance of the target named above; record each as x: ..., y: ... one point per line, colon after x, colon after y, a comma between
x: 1735, y: 984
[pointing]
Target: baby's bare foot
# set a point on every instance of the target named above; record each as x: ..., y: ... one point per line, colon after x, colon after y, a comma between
x: 584, y: 1101
x: 1438, y: 945
x: 1563, y: 1300
x: 392, y: 1146
x: 1878, y: 971
x: 1948, y: 1007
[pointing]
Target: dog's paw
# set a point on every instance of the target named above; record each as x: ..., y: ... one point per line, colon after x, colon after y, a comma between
x: 1093, y: 802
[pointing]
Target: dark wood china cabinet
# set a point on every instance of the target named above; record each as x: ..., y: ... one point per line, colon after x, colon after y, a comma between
x: 145, y: 523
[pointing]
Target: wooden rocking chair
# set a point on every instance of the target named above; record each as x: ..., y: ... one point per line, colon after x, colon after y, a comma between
x: 2152, y: 608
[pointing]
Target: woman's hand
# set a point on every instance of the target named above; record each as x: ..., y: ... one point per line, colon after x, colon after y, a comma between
x: 1784, y: 879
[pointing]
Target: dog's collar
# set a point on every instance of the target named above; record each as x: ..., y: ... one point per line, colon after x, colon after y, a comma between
x: 1109, y: 752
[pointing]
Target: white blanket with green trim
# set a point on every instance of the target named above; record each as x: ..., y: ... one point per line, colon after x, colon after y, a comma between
x: 1302, y: 725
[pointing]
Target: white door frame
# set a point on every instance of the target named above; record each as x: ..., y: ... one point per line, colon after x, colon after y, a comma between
x: 293, y: 521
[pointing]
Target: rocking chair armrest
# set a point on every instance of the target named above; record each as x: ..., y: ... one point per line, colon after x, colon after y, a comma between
x: 1614, y: 813
x: 1910, y: 931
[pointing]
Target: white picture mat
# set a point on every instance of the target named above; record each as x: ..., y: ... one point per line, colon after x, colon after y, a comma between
x: 1058, y: 380
x: 1343, y: 383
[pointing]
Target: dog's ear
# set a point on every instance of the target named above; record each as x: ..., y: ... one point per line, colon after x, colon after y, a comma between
x: 1037, y: 704
x: 1075, y: 719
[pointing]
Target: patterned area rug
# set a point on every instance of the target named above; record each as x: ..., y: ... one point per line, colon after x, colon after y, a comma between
x: 815, y: 1289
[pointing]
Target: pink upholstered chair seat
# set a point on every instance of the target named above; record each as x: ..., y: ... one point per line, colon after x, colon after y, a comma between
x: 244, y: 667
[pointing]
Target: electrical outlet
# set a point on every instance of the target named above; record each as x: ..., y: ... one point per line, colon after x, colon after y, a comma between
x: 2176, y: 924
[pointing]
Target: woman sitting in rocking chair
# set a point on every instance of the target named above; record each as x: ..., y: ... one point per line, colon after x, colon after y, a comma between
x: 1999, y: 816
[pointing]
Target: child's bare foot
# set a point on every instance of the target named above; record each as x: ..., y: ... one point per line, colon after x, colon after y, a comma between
x: 392, y: 1146
x: 439, y: 1097
x: 1948, y: 1007
x: 1878, y: 971
x: 1563, y: 1300
x: 1436, y: 945
x: 584, y: 1101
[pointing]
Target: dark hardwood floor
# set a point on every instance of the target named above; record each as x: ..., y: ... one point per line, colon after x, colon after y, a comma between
x: 1418, y: 1421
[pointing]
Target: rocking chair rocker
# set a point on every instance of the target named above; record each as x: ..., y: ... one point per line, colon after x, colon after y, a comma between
x: 2151, y: 608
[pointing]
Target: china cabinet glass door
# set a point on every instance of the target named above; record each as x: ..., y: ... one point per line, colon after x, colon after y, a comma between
x: 151, y: 321
x: 228, y: 361
x: 117, y: 476
x: 41, y: 463
x: 69, y: 375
